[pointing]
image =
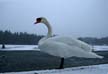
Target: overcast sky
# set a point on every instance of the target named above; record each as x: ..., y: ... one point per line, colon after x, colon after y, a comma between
x: 77, y: 18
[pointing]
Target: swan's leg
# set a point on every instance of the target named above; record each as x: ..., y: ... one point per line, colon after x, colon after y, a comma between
x: 61, y: 63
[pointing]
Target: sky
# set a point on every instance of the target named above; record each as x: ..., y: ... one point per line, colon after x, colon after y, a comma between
x: 77, y: 18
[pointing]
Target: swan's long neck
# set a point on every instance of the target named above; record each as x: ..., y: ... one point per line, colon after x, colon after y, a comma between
x: 49, y: 34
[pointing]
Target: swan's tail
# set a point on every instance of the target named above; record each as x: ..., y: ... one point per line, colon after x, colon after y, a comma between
x: 94, y: 55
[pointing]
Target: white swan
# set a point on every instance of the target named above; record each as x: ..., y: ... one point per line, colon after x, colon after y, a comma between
x: 63, y: 47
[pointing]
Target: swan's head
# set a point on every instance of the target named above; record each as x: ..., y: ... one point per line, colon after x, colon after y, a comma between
x: 40, y: 20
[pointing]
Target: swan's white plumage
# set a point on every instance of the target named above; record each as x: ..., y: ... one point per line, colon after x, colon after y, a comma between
x: 64, y: 47
x: 67, y: 47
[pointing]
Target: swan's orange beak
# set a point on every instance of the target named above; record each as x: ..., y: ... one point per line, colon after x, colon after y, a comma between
x: 35, y: 22
x: 38, y: 20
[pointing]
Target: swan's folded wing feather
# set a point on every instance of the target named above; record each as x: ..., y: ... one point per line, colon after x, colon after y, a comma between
x: 63, y: 50
x: 72, y: 42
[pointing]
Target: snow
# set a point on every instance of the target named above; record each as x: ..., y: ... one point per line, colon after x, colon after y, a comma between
x: 94, y: 69
x: 100, y: 48
x: 20, y: 47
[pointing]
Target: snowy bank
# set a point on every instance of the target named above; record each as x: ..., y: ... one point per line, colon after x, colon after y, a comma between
x: 20, y: 47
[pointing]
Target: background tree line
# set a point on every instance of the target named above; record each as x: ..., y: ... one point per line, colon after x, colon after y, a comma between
x: 95, y: 41
x: 7, y: 37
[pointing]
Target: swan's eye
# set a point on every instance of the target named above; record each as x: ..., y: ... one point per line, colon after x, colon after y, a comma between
x: 39, y: 20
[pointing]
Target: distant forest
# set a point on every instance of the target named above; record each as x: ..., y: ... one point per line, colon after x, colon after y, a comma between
x: 95, y: 41
x: 7, y: 37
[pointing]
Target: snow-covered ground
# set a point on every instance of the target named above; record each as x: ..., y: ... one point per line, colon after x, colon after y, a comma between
x: 100, y: 48
x: 95, y: 69
x: 20, y: 47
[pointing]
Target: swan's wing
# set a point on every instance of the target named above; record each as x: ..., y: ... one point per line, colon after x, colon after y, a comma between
x: 63, y: 50
x: 73, y: 42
